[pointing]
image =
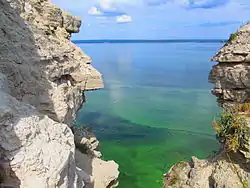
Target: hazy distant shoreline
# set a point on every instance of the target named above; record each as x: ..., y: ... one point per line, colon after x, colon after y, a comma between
x: 153, y: 41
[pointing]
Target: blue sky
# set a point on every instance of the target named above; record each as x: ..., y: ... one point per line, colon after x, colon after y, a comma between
x: 157, y: 19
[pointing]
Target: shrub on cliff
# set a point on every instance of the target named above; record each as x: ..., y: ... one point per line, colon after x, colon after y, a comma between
x: 233, y: 36
x: 243, y: 108
x: 231, y: 129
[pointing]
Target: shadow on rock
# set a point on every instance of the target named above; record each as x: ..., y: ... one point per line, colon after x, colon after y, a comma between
x: 41, y: 77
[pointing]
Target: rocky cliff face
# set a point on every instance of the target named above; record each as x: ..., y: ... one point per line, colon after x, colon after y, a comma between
x: 42, y: 79
x: 231, y: 75
x: 231, y: 79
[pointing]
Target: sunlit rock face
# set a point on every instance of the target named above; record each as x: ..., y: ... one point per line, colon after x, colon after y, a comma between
x: 54, y: 70
x: 231, y: 75
x: 42, y: 79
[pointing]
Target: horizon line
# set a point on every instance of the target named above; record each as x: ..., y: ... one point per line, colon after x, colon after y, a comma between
x: 149, y: 40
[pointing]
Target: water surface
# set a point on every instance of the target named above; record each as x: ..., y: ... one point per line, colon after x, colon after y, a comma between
x: 156, y: 108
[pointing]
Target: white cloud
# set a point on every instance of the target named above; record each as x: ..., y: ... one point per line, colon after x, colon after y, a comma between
x: 94, y: 11
x: 124, y: 19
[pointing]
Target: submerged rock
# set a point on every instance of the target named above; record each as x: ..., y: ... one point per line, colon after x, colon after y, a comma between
x: 42, y: 79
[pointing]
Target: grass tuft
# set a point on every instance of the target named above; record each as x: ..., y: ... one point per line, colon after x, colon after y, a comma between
x: 231, y: 129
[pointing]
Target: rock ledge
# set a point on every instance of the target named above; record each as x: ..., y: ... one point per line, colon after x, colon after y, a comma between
x: 42, y: 79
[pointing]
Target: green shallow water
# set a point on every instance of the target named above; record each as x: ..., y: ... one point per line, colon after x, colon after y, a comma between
x: 156, y: 108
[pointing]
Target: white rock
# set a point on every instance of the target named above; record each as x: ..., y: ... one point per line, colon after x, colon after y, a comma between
x: 42, y: 79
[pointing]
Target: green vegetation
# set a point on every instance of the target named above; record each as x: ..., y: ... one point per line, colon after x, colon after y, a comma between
x: 233, y: 36
x: 231, y: 129
x: 244, y: 183
x: 243, y: 108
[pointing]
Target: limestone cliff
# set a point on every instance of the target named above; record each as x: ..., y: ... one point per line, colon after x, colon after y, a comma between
x: 42, y: 79
x: 231, y: 75
x: 231, y: 79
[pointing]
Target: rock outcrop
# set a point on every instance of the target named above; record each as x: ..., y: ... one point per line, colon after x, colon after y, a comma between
x: 86, y: 142
x: 231, y: 75
x: 100, y: 173
x: 218, y: 171
x: 231, y: 79
x: 42, y: 79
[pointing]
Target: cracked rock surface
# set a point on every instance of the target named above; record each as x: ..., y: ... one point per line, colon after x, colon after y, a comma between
x: 231, y: 75
x: 43, y: 76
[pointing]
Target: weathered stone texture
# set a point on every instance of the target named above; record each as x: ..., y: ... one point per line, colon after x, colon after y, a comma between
x: 42, y: 79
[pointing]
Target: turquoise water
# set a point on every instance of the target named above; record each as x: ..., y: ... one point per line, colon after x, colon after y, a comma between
x: 156, y: 108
